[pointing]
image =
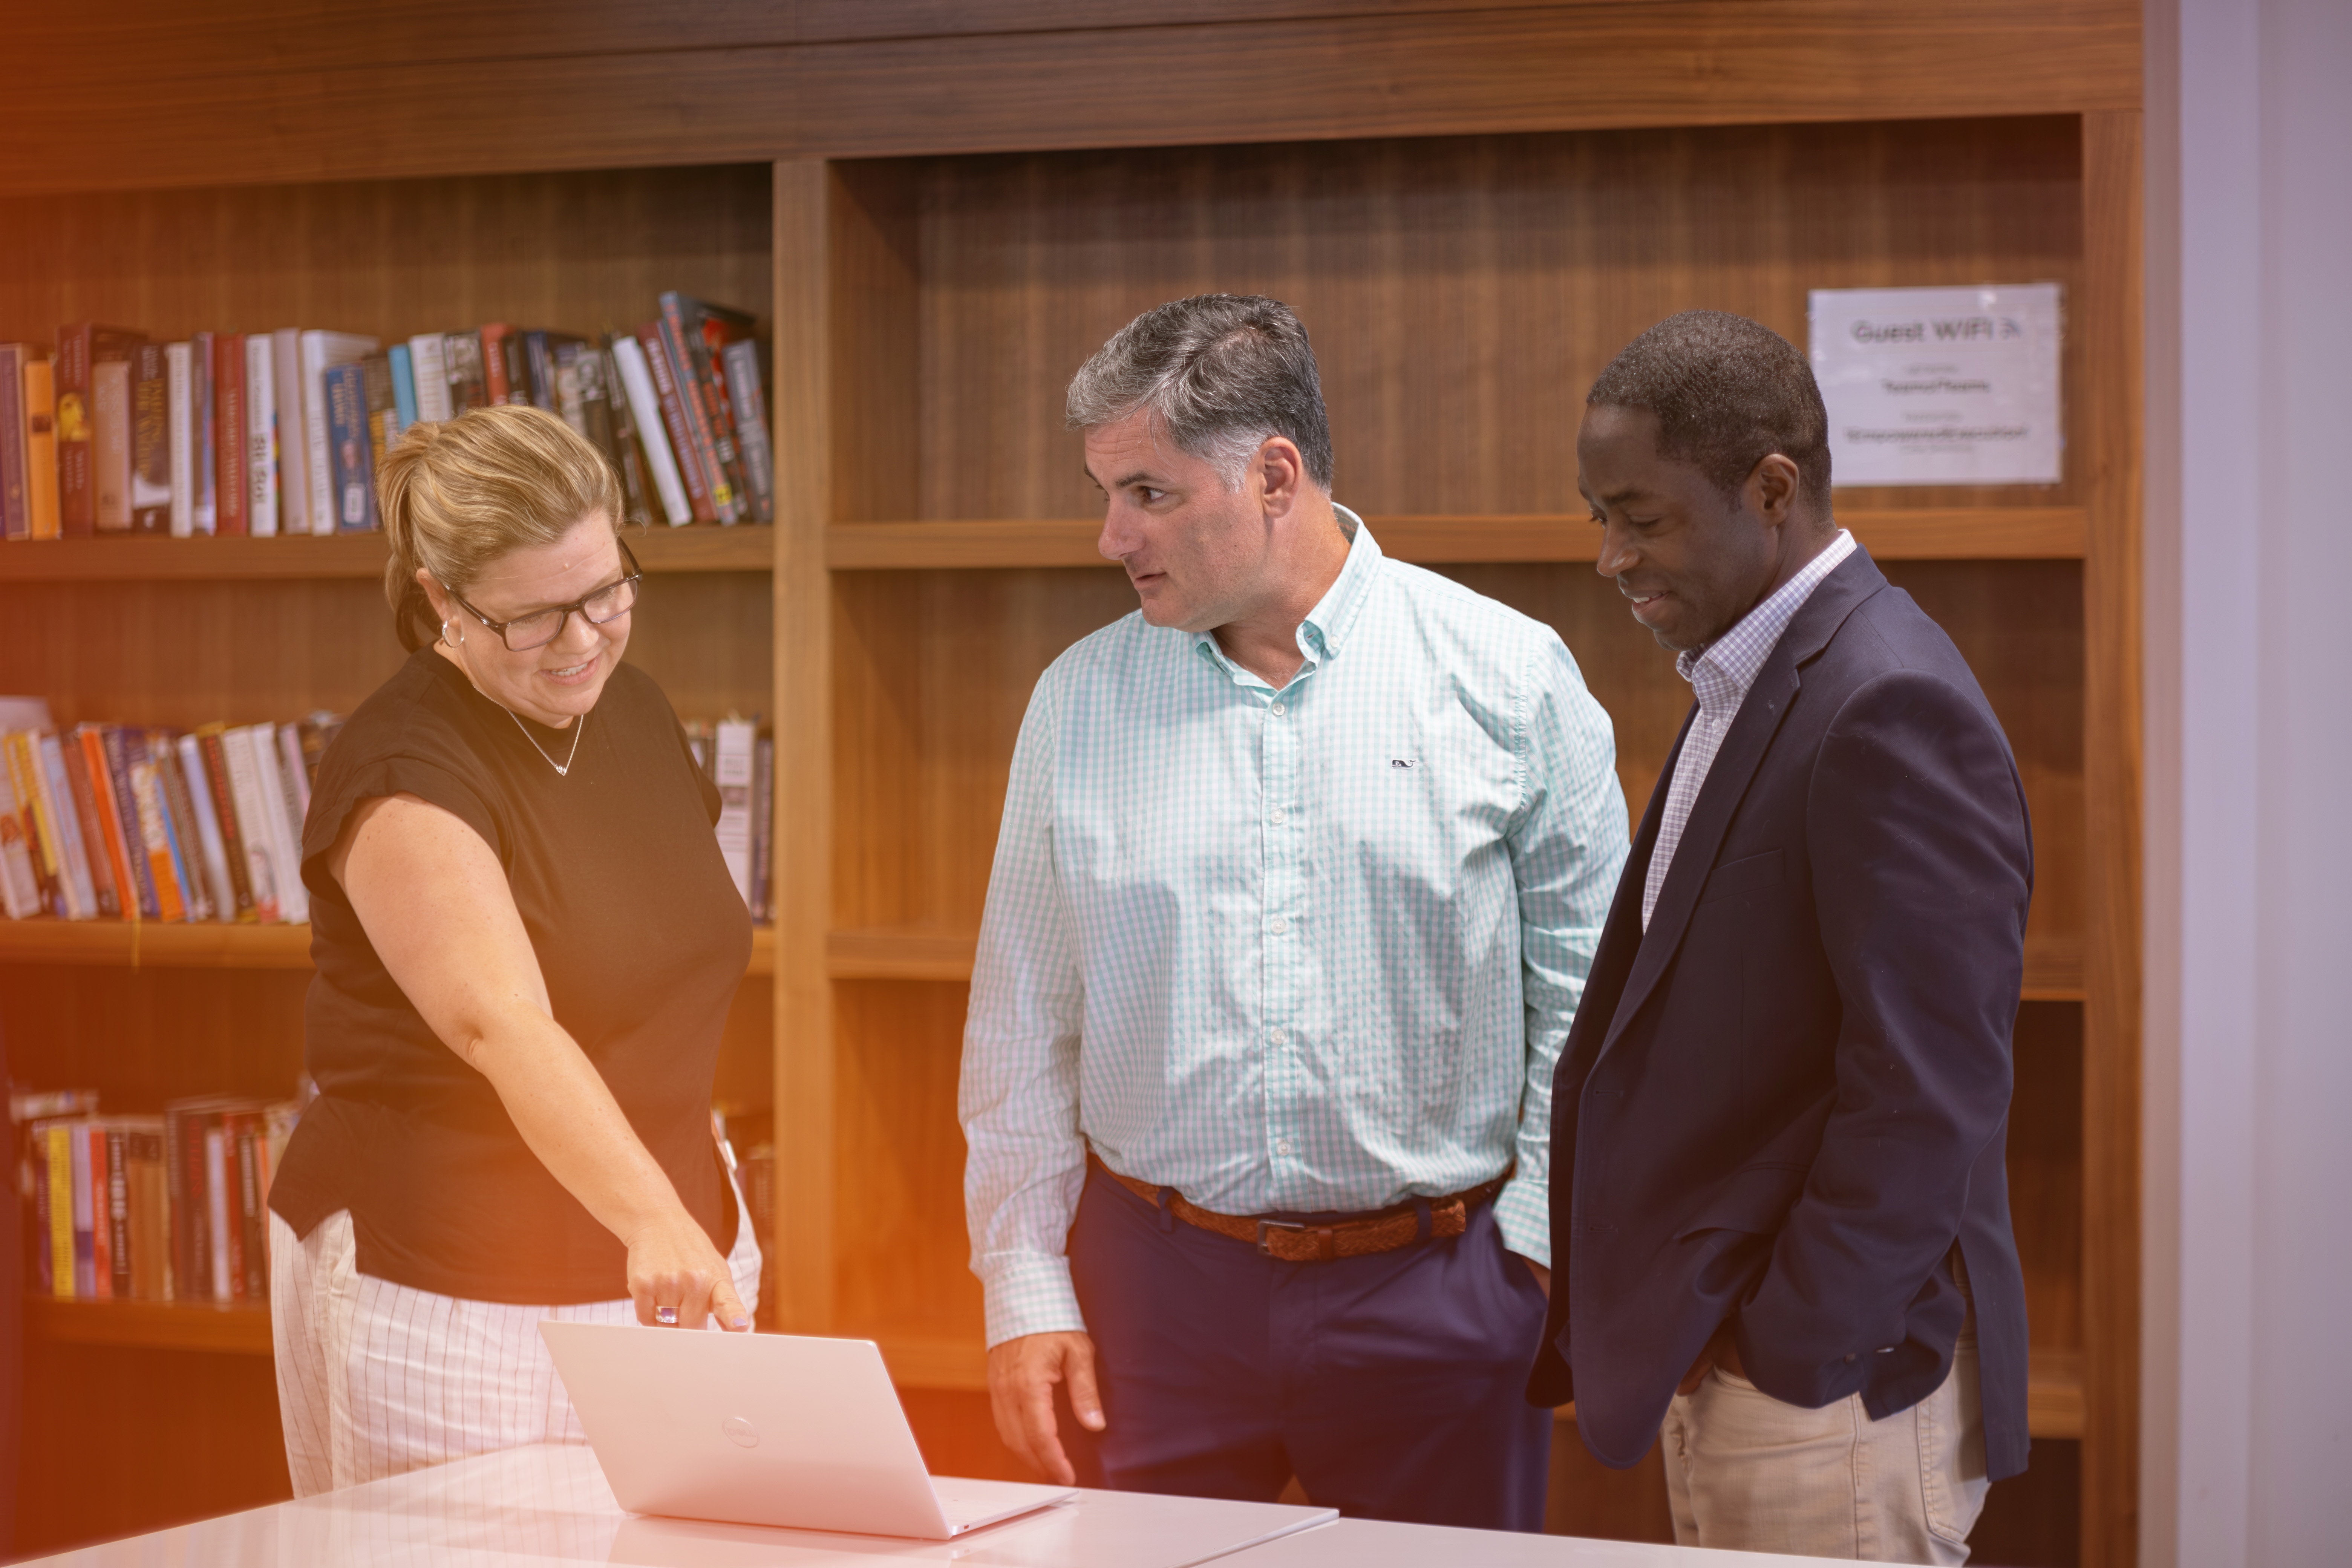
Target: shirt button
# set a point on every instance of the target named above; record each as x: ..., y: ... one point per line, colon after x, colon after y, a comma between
x: 1278, y: 709
x: 1279, y: 925
x: 1282, y: 1147
x: 1278, y: 1036
x: 1277, y: 816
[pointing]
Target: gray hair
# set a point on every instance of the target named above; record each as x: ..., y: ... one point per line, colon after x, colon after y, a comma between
x: 1220, y: 373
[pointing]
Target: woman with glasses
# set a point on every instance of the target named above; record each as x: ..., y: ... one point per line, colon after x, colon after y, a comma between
x: 526, y: 944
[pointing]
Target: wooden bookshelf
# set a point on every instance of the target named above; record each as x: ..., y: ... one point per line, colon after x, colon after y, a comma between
x: 119, y: 944
x: 149, y: 1325
x: 299, y: 558
x: 1954, y: 533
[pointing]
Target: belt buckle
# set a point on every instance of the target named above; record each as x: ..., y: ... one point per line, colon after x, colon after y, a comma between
x: 1264, y: 1246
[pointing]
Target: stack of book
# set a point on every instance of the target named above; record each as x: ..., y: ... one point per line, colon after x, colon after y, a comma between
x: 149, y: 1208
x: 111, y: 821
x: 743, y: 763
x: 108, y: 432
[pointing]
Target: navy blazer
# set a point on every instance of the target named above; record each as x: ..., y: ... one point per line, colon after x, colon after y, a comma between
x: 1784, y: 1103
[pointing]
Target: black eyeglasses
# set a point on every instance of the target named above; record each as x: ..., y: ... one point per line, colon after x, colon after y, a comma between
x: 540, y: 627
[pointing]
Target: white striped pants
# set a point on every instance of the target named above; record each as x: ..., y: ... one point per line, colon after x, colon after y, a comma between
x: 376, y: 1379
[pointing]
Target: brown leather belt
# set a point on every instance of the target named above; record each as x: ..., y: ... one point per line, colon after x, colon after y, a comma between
x: 1291, y: 1241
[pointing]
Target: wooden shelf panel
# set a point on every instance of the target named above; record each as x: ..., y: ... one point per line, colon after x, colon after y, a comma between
x: 297, y: 558
x: 149, y: 1325
x: 2053, y: 964
x: 2000, y: 533
x: 114, y: 943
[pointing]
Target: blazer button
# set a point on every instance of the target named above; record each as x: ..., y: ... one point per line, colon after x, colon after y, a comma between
x: 1849, y: 1357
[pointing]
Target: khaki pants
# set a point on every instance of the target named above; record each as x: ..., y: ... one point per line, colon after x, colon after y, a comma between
x: 1750, y: 1474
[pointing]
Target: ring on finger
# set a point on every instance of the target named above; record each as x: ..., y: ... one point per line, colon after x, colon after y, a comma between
x: 666, y: 1316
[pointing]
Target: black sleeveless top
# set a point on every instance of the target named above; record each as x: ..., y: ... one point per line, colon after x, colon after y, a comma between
x: 640, y: 934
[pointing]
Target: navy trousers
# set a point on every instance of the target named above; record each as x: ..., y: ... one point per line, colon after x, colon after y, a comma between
x: 1390, y: 1385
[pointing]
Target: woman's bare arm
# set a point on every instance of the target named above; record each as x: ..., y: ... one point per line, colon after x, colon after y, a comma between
x: 435, y: 901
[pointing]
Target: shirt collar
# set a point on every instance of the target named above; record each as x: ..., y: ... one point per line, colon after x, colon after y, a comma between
x: 1721, y: 672
x: 1327, y: 625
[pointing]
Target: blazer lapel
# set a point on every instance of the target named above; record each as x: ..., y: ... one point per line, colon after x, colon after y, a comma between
x: 1855, y: 579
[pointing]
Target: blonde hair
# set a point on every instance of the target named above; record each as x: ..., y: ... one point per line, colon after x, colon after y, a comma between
x: 456, y: 495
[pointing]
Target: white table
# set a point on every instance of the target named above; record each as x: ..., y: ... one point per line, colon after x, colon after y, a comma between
x: 547, y: 1507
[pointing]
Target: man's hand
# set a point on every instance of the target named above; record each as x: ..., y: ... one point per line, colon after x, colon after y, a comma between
x: 1543, y: 1275
x: 1722, y: 1351
x: 1020, y: 1377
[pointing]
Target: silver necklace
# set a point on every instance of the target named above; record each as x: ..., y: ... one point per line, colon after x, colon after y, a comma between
x: 563, y: 768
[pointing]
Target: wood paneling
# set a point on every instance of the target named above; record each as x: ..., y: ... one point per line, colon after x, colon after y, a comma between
x: 700, y: 547
x: 2108, y: 323
x: 604, y: 103
x: 1461, y: 294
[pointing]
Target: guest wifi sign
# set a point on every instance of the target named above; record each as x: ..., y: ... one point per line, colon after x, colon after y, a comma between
x: 1940, y: 386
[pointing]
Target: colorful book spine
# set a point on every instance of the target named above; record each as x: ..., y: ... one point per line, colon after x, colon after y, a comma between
x: 349, y: 463
x: 208, y: 742
x: 18, y: 755
x: 321, y: 352
x: 731, y: 772
x: 262, y: 513
x: 58, y: 799
x: 98, y: 760
x: 41, y: 448
x: 253, y: 814
x: 94, y: 832
x: 497, y: 384
x: 179, y: 406
x: 20, y: 884
x: 741, y: 360
x: 292, y: 442
x: 110, y: 444
x: 116, y: 742
x: 146, y: 794
x: 178, y: 820
x: 428, y: 356
x: 15, y: 499
x: 212, y: 848
x: 400, y: 366
x: 682, y: 340
x: 663, y: 369
x: 81, y: 348
x: 232, y: 450
x: 150, y: 440
x: 203, y: 476
x: 117, y: 1192
x: 60, y: 1138
x: 633, y: 377
x: 84, y: 1212
x: 225, y: 1279
x: 469, y: 382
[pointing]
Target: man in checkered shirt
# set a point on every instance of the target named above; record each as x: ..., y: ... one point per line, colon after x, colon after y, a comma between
x: 1300, y: 873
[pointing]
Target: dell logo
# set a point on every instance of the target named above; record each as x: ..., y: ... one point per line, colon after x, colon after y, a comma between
x: 740, y: 1432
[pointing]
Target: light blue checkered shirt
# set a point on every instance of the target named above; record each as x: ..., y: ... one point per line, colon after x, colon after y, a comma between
x: 1313, y: 950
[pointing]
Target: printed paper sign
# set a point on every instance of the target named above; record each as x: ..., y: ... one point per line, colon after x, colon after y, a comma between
x: 1940, y: 386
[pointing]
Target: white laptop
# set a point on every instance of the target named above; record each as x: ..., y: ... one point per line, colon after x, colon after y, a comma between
x: 771, y: 1429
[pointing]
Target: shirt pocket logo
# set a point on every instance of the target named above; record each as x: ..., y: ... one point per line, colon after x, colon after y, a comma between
x: 1405, y: 762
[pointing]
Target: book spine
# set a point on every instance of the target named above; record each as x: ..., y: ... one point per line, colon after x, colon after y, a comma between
x: 180, y: 451
x: 104, y: 886
x: 85, y: 1213
x: 215, y: 753
x: 262, y: 512
x: 98, y: 764
x: 231, y: 447
x: 731, y: 772
x: 117, y: 1213
x: 468, y: 384
x: 16, y: 502
x: 150, y: 440
x: 543, y: 391
x: 110, y: 443
x: 402, y: 362
x: 633, y: 377
x: 764, y: 827
x: 570, y: 401
x: 135, y: 849
x: 496, y: 383
x: 58, y: 799
x: 348, y: 449
x: 77, y: 463
x: 61, y: 1210
x: 285, y: 821
x: 253, y: 1276
x: 40, y: 833
x: 681, y: 339
x: 180, y: 819
x: 292, y: 436
x: 204, y: 506
x: 219, y: 886
x: 226, y: 1279
x: 20, y: 887
x: 429, y: 357
x: 253, y: 824
x: 673, y: 422
x: 37, y: 1158
x: 150, y: 1219
x: 184, y: 1283
x: 154, y: 829
x: 742, y: 359
x: 41, y: 448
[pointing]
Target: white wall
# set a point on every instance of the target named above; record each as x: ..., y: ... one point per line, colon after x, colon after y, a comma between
x: 2247, y: 1450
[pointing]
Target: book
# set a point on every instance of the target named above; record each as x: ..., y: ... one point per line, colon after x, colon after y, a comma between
x: 214, y: 757
x: 710, y: 329
x: 763, y: 823
x: 319, y: 352
x: 98, y: 761
x: 542, y: 354
x: 731, y: 772
x: 643, y: 402
x: 469, y: 385
x: 211, y: 848
x: 83, y: 1210
x: 283, y: 821
x: 151, y: 440
x: 400, y: 370
x: 59, y: 1139
x: 383, y: 424
x: 428, y: 358
x: 109, y: 445
x: 93, y: 834
x: 204, y: 474
x: 497, y: 381
x: 22, y: 764
x: 261, y: 510
x: 293, y: 446
x: 82, y: 347
x: 231, y: 450
x: 115, y: 742
x: 180, y: 405
x: 40, y: 1277
x: 41, y: 448
x: 349, y: 463
x: 714, y: 449
x: 179, y: 814
x: 146, y: 797
x: 662, y: 367
x: 586, y: 370
x: 20, y: 888
x: 297, y: 781
x: 16, y: 500
x: 221, y: 1265
x: 251, y: 1219
x: 741, y: 360
x: 263, y: 850
x: 57, y: 798
x: 147, y: 1199
x: 112, y: 1153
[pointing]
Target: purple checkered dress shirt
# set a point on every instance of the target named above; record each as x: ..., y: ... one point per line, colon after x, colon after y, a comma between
x: 1720, y: 675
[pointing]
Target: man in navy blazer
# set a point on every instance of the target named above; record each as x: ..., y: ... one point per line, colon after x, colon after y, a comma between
x: 1780, y: 1233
